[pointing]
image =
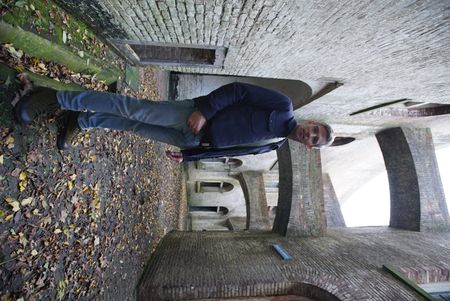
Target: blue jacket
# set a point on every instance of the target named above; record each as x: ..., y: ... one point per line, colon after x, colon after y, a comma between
x: 240, y: 114
x: 194, y: 154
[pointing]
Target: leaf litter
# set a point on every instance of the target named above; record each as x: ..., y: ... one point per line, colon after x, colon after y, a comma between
x: 89, y: 239
x: 20, y: 61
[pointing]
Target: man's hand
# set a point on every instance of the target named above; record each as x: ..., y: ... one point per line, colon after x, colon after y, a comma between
x: 174, y: 156
x: 196, y: 122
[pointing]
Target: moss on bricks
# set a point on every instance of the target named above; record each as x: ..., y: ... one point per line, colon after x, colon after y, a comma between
x: 39, y: 47
x: 8, y: 74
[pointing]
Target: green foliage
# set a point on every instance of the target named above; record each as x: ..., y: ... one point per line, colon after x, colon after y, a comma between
x: 21, y: 3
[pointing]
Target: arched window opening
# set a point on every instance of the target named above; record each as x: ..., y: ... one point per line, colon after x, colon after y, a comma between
x: 213, y: 209
x: 148, y: 52
x: 213, y: 186
x: 219, y: 164
x: 271, y: 187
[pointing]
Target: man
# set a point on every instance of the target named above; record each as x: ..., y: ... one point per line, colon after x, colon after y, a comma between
x: 233, y: 120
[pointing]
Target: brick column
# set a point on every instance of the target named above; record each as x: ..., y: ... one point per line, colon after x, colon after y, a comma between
x: 332, y: 207
x: 252, y: 184
x: 417, y: 197
x: 300, y: 210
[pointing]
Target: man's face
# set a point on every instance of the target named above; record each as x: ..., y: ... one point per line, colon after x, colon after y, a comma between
x: 311, y: 134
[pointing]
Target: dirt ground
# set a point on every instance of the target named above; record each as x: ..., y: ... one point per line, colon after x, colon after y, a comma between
x: 81, y: 224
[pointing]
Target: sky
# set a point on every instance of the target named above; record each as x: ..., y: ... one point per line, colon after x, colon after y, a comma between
x: 369, y: 206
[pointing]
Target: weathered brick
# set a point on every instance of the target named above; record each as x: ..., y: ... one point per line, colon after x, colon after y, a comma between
x: 346, y: 264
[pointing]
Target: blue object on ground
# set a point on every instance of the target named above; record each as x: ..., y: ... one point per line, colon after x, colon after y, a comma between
x: 282, y: 252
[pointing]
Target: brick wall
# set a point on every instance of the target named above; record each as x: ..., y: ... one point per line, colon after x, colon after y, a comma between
x: 347, y: 263
x: 381, y: 50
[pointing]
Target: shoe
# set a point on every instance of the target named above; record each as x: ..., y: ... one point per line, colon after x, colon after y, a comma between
x: 41, y: 100
x: 69, y: 130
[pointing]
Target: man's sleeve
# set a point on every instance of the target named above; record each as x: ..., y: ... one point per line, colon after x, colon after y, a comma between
x: 195, y: 154
x: 236, y: 93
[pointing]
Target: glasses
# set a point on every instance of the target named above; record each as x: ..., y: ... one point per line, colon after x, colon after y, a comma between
x: 315, y: 139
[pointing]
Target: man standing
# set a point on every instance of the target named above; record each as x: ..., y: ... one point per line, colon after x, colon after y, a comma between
x: 233, y: 120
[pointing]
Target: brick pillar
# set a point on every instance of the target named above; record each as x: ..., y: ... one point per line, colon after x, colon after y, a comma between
x: 252, y: 184
x: 417, y: 197
x: 300, y: 210
x: 332, y: 207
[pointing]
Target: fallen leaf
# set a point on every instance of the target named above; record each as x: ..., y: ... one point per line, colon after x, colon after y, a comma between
x: 41, y: 281
x: 1, y: 160
x: 15, y: 206
x: 57, y: 231
x: 9, y: 217
x: 63, y: 216
x: 96, y: 241
x: 20, y: 3
x: 61, y: 289
x: 22, y: 175
x: 10, y: 142
x: 20, y: 69
x: 42, y: 67
x: 70, y: 185
x: 34, y: 252
x: 15, y: 53
x: 46, y: 221
x: 43, y: 202
x: 9, y: 200
x: 96, y: 203
x: 22, y: 239
x: 26, y: 201
x: 22, y: 185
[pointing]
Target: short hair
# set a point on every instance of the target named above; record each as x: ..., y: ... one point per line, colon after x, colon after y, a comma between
x: 330, y: 135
